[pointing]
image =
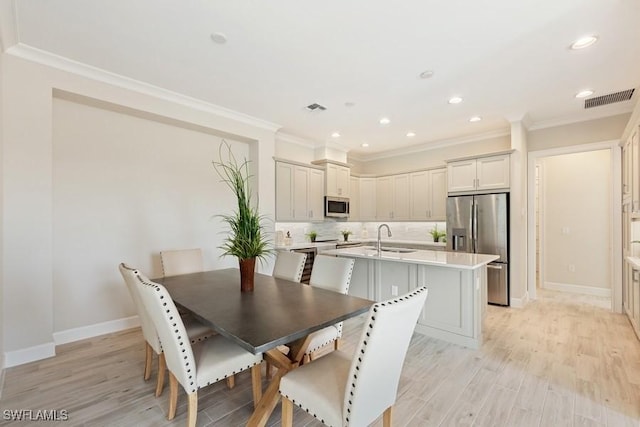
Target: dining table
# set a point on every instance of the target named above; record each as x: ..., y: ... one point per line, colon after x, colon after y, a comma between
x: 277, y: 312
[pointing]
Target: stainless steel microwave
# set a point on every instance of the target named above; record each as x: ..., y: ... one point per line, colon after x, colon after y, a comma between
x: 336, y: 207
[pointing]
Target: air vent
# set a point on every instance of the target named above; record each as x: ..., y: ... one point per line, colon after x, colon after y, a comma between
x: 315, y: 107
x: 611, y: 98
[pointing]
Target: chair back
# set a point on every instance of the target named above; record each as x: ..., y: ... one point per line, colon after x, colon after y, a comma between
x: 373, y: 378
x: 129, y: 275
x: 182, y: 261
x: 289, y: 265
x: 332, y: 273
x: 173, y: 335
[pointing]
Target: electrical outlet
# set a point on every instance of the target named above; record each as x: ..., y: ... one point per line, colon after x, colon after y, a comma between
x: 394, y: 291
x: 572, y: 268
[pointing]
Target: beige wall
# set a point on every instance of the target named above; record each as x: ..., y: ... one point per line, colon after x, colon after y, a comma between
x: 577, y: 198
x: 294, y: 151
x: 1, y: 220
x: 598, y: 130
x: 35, y: 188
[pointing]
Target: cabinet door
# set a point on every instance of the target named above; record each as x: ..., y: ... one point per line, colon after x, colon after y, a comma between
x: 401, y: 197
x: 461, y: 175
x: 419, y: 184
x: 367, y: 199
x: 337, y: 180
x: 316, y: 195
x: 384, y: 198
x: 300, y: 193
x: 493, y: 172
x: 626, y: 168
x: 284, y: 191
x: 437, y: 195
x: 635, y: 172
x: 635, y: 297
x: 354, y: 198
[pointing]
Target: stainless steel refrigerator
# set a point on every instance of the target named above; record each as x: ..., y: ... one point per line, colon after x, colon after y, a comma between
x: 480, y: 224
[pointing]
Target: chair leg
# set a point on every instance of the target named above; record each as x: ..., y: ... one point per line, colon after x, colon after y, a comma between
x: 192, y: 409
x: 287, y: 412
x: 148, y: 357
x: 162, y: 367
x: 173, y: 396
x: 336, y: 344
x: 231, y: 382
x: 256, y: 384
x: 386, y: 417
x: 269, y: 371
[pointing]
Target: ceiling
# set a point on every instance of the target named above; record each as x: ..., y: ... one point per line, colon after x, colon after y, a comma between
x: 361, y: 59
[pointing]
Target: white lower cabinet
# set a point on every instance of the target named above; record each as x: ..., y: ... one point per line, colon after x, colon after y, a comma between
x: 631, y: 295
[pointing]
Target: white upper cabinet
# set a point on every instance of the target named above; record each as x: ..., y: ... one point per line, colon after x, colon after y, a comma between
x: 354, y: 198
x: 634, y: 185
x: 484, y: 173
x: 299, y: 193
x: 337, y: 180
x: 393, y: 197
x: 368, y: 199
x: 428, y: 195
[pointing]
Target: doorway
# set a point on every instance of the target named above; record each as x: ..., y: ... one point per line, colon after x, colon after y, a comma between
x: 573, y: 217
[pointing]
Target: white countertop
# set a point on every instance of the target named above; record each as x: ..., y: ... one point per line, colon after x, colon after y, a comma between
x: 634, y: 260
x: 425, y: 257
x: 299, y: 245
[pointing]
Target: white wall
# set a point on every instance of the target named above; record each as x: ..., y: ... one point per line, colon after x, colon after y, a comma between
x: 1, y: 222
x: 294, y: 151
x: 577, y: 198
x: 37, y: 186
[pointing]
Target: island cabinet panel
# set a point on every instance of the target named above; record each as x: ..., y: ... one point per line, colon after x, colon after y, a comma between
x: 362, y: 279
x: 449, y: 305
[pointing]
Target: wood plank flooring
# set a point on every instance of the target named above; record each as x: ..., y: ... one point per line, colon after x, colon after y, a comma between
x: 560, y: 361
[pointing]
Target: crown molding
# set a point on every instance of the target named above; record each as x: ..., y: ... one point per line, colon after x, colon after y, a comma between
x: 432, y: 145
x: 611, y: 110
x: 49, y: 59
x: 8, y: 25
x: 292, y: 139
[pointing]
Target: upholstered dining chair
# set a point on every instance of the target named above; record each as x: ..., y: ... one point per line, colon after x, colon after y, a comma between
x: 289, y: 265
x: 181, y: 261
x: 197, y: 366
x: 344, y: 390
x: 196, y: 331
x: 334, y: 274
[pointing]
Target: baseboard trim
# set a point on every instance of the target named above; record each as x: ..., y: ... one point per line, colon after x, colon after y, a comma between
x: 84, y: 332
x: 29, y: 354
x: 578, y: 289
x: 520, y: 302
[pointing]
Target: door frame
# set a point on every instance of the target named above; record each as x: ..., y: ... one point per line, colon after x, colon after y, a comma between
x: 615, y: 243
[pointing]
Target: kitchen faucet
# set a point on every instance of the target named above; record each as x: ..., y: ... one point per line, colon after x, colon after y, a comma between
x: 388, y: 232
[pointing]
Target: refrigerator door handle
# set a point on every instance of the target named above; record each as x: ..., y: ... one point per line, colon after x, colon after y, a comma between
x: 475, y: 226
x: 495, y: 267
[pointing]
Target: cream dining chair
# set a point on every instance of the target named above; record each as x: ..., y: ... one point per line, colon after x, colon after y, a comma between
x: 197, y: 366
x: 344, y: 390
x: 181, y: 261
x: 289, y: 265
x: 196, y: 331
x: 333, y: 274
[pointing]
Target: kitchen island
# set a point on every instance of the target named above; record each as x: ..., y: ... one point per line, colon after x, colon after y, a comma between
x: 457, y: 284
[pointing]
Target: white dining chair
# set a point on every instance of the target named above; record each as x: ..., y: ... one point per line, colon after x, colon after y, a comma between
x: 289, y: 265
x: 334, y: 274
x: 181, y: 261
x: 197, y: 366
x: 196, y: 331
x: 344, y: 390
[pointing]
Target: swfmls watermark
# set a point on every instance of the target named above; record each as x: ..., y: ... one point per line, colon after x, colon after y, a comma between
x: 35, y: 415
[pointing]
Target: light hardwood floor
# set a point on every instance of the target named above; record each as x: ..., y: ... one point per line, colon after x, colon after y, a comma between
x: 558, y: 362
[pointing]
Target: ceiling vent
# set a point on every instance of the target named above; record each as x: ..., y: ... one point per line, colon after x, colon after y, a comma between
x: 611, y: 98
x: 315, y: 107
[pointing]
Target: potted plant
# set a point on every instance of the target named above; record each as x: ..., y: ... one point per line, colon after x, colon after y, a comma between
x: 437, y: 234
x: 345, y: 234
x: 312, y: 235
x: 246, y: 240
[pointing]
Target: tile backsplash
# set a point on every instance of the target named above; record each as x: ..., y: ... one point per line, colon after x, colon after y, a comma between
x: 407, y: 231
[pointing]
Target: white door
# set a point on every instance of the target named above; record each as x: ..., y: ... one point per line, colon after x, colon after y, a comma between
x: 284, y: 191
x: 462, y: 175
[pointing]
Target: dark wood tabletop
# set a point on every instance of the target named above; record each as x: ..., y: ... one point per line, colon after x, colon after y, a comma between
x: 276, y: 312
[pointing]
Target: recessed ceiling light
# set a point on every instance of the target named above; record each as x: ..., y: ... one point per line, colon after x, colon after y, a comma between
x: 426, y: 74
x: 411, y: 134
x: 385, y: 121
x: 584, y: 93
x: 364, y: 144
x: 584, y: 42
x: 455, y: 100
x: 475, y: 119
x: 335, y: 135
x: 349, y: 104
x: 219, y: 38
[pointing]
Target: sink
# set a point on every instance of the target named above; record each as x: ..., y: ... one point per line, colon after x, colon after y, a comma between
x: 398, y: 250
